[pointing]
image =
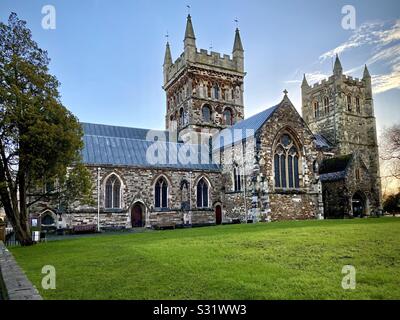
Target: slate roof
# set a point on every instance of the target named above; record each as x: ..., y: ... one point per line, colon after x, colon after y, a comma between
x: 334, y: 169
x: 113, y: 145
x: 243, y: 129
x: 321, y: 142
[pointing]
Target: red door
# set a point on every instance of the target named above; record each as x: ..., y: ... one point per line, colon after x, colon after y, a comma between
x: 218, y: 215
x: 137, y: 216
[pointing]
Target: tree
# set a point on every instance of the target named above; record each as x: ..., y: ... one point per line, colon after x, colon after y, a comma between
x: 392, y: 203
x: 390, y: 150
x: 40, y: 140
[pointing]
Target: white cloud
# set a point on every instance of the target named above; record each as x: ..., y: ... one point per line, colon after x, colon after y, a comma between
x: 312, y: 77
x: 383, y: 41
x: 378, y: 34
x: 388, y: 81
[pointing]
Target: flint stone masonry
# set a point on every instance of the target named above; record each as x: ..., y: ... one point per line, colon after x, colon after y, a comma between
x: 15, y: 282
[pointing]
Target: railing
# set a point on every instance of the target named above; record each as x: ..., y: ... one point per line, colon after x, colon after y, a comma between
x: 11, y: 239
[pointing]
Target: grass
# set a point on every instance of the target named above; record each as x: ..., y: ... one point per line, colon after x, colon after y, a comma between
x: 281, y: 260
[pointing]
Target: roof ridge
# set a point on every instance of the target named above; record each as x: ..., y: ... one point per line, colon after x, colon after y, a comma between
x: 119, y: 126
x: 135, y: 139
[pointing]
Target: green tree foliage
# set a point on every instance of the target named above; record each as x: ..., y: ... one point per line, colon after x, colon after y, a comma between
x: 392, y: 203
x: 40, y: 140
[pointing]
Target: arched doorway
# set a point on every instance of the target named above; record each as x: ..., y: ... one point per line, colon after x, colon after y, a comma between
x: 358, y: 205
x: 218, y: 215
x: 137, y: 215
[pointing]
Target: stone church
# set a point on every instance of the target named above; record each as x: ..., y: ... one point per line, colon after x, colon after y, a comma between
x: 212, y: 165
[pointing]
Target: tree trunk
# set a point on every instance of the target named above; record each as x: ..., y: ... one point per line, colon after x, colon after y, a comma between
x: 21, y: 228
x: 23, y: 234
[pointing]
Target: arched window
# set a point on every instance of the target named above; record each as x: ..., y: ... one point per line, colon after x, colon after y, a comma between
x: 185, y: 195
x: 286, y: 163
x: 216, y: 91
x: 113, y: 193
x: 358, y: 106
x: 47, y: 219
x: 206, y: 111
x: 316, y: 109
x: 237, y: 179
x: 202, y: 193
x: 161, y: 193
x: 228, y: 118
x: 181, y: 117
x: 326, y: 105
x: 349, y: 102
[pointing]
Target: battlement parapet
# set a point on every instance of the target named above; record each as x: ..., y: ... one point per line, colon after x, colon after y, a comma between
x: 211, y: 58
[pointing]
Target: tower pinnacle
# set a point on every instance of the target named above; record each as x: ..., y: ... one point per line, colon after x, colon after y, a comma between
x: 366, y: 73
x: 337, y: 69
x: 304, y: 84
x: 167, y: 57
x: 237, y: 46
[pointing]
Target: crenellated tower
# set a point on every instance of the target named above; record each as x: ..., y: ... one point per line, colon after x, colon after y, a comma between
x: 204, y: 91
x: 341, y: 109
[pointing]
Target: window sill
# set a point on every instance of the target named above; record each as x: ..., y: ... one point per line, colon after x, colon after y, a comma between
x: 113, y: 210
x: 234, y: 192
x: 290, y: 191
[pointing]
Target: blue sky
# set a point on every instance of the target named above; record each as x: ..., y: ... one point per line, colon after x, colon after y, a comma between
x: 108, y: 55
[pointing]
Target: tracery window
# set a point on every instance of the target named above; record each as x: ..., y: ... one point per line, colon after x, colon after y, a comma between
x: 202, y: 193
x: 286, y: 163
x: 237, y: 178
x: 161, y: 193
x: 113, y: 193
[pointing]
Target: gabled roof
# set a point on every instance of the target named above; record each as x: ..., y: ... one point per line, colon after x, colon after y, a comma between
x: 321, y: 142
x: 334, y: 169
x: 122, y: 146
x: 243, y: 129
x: 118, y: 131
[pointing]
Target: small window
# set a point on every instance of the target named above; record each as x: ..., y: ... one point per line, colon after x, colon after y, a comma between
x: 161, y: 193
x: 326, y: 105
x: 237, y: 179
x: 181, y: 117
x: 208, y: 91
x: 349, y: 103
x: 216, y: 92
x: 358, y: 106
x: 202, y: 193
x: 316, y: 109
x: 206, y: 111
x: 357, y: 174
x: 228, y: 119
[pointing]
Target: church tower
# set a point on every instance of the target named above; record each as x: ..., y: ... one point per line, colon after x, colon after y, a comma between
x: 341, y: 109
x: 204, y: 91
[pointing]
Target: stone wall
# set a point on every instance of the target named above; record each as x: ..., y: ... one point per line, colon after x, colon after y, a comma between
x: 338, y: 195
x: 13, y: 280
x: 138, y: 187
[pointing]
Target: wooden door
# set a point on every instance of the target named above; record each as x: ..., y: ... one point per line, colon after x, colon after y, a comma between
x: 218, y: 215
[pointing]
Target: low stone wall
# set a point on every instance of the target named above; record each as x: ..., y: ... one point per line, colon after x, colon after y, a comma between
x: 14, y: 281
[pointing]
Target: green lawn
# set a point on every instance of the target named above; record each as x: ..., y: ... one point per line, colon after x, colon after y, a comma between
x: 281, y: 260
